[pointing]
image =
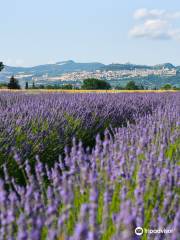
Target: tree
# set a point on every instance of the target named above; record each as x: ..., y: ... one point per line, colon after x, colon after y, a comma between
x: 27, y: 85
x: 33, y: 85
x: 13, y: 83
x: 167, y: 87
x: 119, y: 87
x: 176, y: 88
x: 67, y: 86
x: 93, y: 83
x: 131, y: 86
x: 1, y: 66
x: 141, y: 87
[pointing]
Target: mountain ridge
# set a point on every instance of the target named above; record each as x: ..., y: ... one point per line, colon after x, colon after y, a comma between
x: 96, y: 64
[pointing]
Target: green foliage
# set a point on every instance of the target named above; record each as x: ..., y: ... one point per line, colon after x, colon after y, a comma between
x: 176, y: 88
x: 27, y: 85
x: 119, y: 87
x: 131, y: 86
x: 115, y: 204
x: 49, y: 144
x: 100, y: 207
x: 75, y: 127
x: 33, y: 85
x: 44, y: 233
x: 1, y: 66
x: 51, y: 148
x: 167, y: 87
x: 150, y: 197
x: 93, y: 84
x: 81, y: 196
x: 13, y: 83
x: 109, y: 231
x: 3, y: 85
x: 65, y: 86
x: 173, y: 151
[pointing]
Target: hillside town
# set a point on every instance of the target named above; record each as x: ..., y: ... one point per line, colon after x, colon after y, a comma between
x: 107, y: 75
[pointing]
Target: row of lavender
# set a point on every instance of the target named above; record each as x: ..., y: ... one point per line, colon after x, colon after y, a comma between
x: 129, y: 179
x: 44, y: 124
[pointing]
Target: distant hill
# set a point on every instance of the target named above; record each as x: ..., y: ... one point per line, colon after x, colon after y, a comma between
x: 56, y: 69
x: 59, y: 68
x: 71, y: 66
x: 129, y: 66
x: 165, y: 65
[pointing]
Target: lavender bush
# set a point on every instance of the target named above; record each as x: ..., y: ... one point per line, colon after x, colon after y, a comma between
x: 130, y: 178
x: 44, y: 124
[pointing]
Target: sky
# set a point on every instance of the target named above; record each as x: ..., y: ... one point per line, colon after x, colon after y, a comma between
x: 109, y: 31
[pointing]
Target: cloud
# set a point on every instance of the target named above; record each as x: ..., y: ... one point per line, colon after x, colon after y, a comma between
x: 152, y: 29
x: 155, y: 24
x: 144, y: 13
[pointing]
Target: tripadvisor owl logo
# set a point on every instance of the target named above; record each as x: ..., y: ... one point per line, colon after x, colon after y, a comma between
x: 139, y: 231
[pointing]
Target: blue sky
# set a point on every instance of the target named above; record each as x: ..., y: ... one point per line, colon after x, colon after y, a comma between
x: 45, y: 31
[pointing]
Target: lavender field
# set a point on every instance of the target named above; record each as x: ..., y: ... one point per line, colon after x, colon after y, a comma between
x: 89, y: 166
